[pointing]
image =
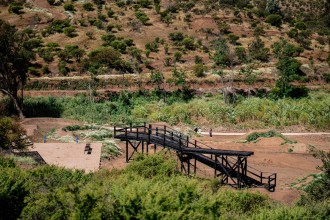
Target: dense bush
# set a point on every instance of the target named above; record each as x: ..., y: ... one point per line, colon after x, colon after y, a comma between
x: 11, y: 134
x: 57, y: 26
x: 150, y: 187
x: 274, y: 19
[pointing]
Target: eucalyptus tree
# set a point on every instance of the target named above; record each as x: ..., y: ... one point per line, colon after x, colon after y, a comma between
x: 15, y: 59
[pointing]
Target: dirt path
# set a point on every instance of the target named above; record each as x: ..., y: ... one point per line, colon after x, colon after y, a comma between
x: 292, y: 162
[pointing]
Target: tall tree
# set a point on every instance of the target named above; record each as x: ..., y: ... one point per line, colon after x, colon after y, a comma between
x: 14, y: 62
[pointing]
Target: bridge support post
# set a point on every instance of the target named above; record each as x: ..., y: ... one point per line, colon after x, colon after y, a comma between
x: 188, y: 161
x: 126, y: 151
x: 142, y: 147
x: 135, y: 146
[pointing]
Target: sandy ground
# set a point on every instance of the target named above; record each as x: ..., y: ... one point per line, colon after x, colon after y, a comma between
x: 70, y: 155
x: 291, y: 162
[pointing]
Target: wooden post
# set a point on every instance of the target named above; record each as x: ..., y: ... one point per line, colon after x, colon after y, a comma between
x: 188, y: 165
x: 130, y: 126
x: 187, y: 141
x: 144, y: 125
x: 126, y: 151
x: 142, y: 147
x: 238, y: 173
x: 137, y: 133
x: 114, y: 131
x: 149, y: 133
x: 195, y: 159
x: 180, y: 141
x: 164, y: 135
x: 215, y: 166
x: 156, y: 131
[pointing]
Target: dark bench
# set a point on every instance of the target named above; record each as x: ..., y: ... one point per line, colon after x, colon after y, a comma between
x: 88, y: 148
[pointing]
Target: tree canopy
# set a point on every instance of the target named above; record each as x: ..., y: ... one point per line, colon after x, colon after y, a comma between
x: 14, y: 62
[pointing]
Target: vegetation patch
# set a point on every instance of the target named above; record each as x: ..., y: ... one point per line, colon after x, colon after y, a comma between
x: 255, y: 137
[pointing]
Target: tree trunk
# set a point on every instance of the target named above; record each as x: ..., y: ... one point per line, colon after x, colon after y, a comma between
x: 18, y: 107
x: 16, y: 102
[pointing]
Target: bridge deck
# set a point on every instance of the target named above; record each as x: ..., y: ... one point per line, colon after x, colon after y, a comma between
x: 230, y: 164
x: 173, y: 143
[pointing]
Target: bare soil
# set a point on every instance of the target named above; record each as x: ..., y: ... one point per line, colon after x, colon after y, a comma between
x: 291, y: 162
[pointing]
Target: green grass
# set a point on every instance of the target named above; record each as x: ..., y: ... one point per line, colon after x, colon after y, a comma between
x: 253, y: 113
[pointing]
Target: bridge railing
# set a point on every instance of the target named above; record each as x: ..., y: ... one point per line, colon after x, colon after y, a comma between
x: 166, y: 132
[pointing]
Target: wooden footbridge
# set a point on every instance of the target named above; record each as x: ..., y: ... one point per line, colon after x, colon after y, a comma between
x: 230, y: 165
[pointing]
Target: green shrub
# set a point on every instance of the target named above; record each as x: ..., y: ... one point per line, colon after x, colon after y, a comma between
x: 258, y: 50
x: 70, y: 32
x: 300, y: 25
x: 256, y: 135
x: 176, y: 36
x: 88, y: 6
x: 69, y: 7
x: 326, y: 77
x: 199, y: 70
x: 188, y: 43
x: 57, y: 26
x: 144, y: 3
x: 7, y: 162
x: 232, y: 38
x: 51, y: 2
x: 158, y: 165
x: 274, y: 19
x: 110, y: 13
x: 15, y: 8
x: 142, y: 17
x: 177, y: 56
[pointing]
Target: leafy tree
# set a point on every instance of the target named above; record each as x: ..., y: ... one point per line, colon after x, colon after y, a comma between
x: 158, y: 78
x: 71, y: 51
x: 178, y: 78
x: 283, y: 48
x: 221, y: 55
x: 240, y: 53
x: 273, y: 7
x: 14, y: 62
x: 11, y: 134
x: 249, y: 76
x: 289, y: 69
x: 258, y: 50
